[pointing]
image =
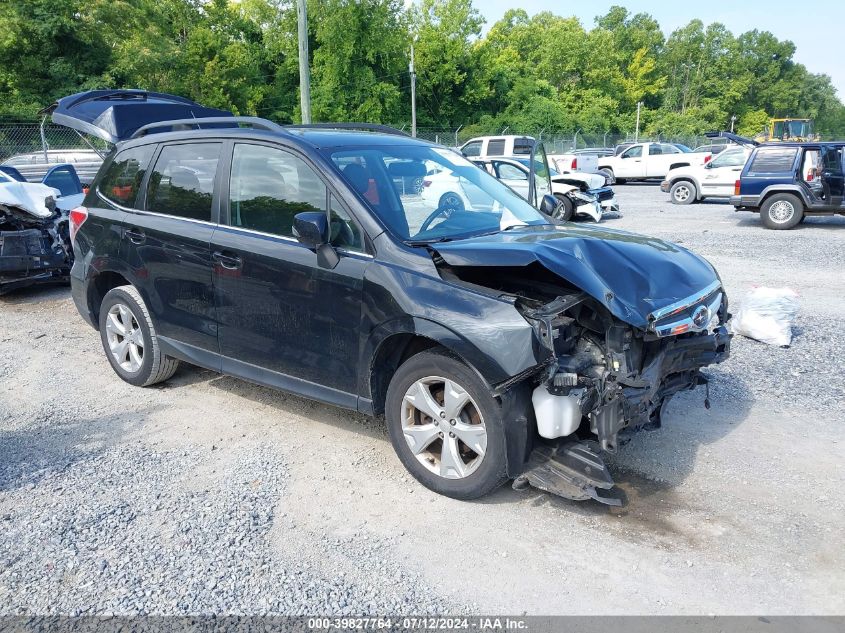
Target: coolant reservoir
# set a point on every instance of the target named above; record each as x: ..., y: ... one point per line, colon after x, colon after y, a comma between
x: 557, y: 416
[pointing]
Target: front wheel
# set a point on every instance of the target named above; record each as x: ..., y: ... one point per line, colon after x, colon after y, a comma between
x: 782, y: 211
x: 446, y: 426
x: 565, y: 210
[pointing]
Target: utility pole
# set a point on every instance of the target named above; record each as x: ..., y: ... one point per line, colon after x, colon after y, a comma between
x: 733, y: 120
x: 413, y: 94
x: 637, y: 132
x: 304, y: 70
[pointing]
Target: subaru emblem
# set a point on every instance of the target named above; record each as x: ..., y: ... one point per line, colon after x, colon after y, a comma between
x: 701, y: 317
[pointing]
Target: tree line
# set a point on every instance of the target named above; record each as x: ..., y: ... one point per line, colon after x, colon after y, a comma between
x: 528, y: 73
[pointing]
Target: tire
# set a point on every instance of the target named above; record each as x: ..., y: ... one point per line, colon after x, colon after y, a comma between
x: 682, y: 192
x: 124, y: 306
x: 782, y: 211
x: 565, y: 210
x: 481, y: 410
x: 451, y: 200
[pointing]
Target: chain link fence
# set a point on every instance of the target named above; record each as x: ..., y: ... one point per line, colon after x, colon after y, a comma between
x: 554, y: 143
x: 31, y: 137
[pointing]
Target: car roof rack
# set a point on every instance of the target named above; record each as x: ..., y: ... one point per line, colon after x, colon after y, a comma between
x: 364, y: 127
x: 233, y: 121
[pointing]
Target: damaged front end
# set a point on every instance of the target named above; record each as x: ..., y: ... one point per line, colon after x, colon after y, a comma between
x: 600, y: 378
x: 34, y: 237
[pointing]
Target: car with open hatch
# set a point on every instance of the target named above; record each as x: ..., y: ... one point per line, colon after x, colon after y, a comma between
x: 786, y: 182
x: 498, y: 343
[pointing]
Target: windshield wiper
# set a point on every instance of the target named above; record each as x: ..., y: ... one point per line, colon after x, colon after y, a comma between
x: 433, y: 240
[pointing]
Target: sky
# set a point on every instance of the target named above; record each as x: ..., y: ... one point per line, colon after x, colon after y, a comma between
x: 816, y: 28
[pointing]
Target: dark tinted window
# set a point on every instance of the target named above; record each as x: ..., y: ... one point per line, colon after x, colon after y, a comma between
x: 123, y: 177
x: 344, y: 231
x: 496, y: 147
x: 774, y: 159
x: 472, y: 149
x: 269, y: 186
x: 523, y: 146
x: 182, y: 181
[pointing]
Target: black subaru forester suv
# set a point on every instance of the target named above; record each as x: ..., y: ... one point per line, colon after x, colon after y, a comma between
x: 497, y: 343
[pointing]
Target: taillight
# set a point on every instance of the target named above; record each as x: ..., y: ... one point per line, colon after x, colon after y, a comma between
x: 426, y: 183
x: 76, y: 218
x: 707, y: 158
x: 736, y: 188
x: 574, y: 164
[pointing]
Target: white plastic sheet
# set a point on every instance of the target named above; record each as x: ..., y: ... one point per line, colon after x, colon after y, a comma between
x: 767, y: 315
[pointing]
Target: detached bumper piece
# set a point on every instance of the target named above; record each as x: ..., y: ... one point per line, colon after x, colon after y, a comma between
x: 572, y: 470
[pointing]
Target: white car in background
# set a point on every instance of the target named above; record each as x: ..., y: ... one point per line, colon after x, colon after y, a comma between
x: 642, y: 161
x: 714, y: 179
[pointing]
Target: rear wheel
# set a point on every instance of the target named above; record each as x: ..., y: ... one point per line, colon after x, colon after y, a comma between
x: 446, y: 426
x: 682, y: 192
x: 129, y: 339
x: 782, y: 211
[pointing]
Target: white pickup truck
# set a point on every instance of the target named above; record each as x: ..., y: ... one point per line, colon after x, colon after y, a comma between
x: 649, y: 160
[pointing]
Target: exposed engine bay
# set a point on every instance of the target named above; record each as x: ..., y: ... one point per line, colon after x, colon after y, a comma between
x: 599, y: 378
x: 34, y: 236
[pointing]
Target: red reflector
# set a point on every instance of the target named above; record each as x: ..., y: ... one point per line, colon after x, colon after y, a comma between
x: 76, y: 219
x: 426, y: 183
x: 736, y: 188
x: 707, y: 158
x: 574, y: 163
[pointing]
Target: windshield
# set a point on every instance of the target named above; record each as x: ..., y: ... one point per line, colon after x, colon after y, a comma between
x: 683, y: 148
x: 426, y: 194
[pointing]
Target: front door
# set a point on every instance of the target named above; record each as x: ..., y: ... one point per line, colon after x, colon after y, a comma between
x: 284, y: 319
x: 631, y: 163
x: 720, y: 174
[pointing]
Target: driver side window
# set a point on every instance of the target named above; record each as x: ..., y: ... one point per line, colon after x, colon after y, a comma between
x: 634, y: 152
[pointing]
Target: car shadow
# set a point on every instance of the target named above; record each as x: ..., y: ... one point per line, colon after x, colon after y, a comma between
x: 32, y: 453
x: 817, y: 223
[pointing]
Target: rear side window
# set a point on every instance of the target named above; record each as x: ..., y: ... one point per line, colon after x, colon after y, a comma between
x: 523, y: 146
x: 123, y: 177
x: 182, y: 181
x: 496, y: 147
x: 774, y: 159
x: 270, y: 186
x: 472, y: 149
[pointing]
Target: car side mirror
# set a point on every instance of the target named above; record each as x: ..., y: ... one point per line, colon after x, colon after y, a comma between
x: 548, y: 205
x: 624, y: 156
x: 708, y: 164
x: 311, y: 228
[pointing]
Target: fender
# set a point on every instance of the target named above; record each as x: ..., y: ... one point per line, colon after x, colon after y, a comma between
x: 691, y: 179
x: 782, y: 188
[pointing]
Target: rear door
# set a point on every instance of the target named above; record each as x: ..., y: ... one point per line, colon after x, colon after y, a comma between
x: 167, y: 244
x: 721, y: 173
x: 513, y: 176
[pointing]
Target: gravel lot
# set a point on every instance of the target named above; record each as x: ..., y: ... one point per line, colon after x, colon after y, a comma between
x: 212, y: 495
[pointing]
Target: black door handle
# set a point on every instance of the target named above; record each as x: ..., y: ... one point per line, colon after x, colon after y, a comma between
x: 227, y: 260
x: 135, y: 236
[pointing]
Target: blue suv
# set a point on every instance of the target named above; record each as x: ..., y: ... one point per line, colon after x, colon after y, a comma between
x: 786, y: 182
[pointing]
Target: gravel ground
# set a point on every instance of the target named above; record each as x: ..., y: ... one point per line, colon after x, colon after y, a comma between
x: 212, y: 495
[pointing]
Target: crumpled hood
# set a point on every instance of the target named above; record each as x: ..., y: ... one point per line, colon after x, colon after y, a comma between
x: 632, y: 275
x: 29, y: 196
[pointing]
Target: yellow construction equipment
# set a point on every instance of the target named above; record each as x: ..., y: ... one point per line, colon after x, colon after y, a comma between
x: 788, y: 130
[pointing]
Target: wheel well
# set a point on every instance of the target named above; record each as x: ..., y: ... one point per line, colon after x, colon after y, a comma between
x: 392, y: 352
x: 684, y: 179
x: 98, y: 288
x: 769, y: 194
x: 678, y: 165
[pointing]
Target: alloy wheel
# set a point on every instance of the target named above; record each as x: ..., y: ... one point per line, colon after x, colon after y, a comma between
x: 781, y: 211
x: 443, y: 427
x: 682, y: 193
x: 125, y: 338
